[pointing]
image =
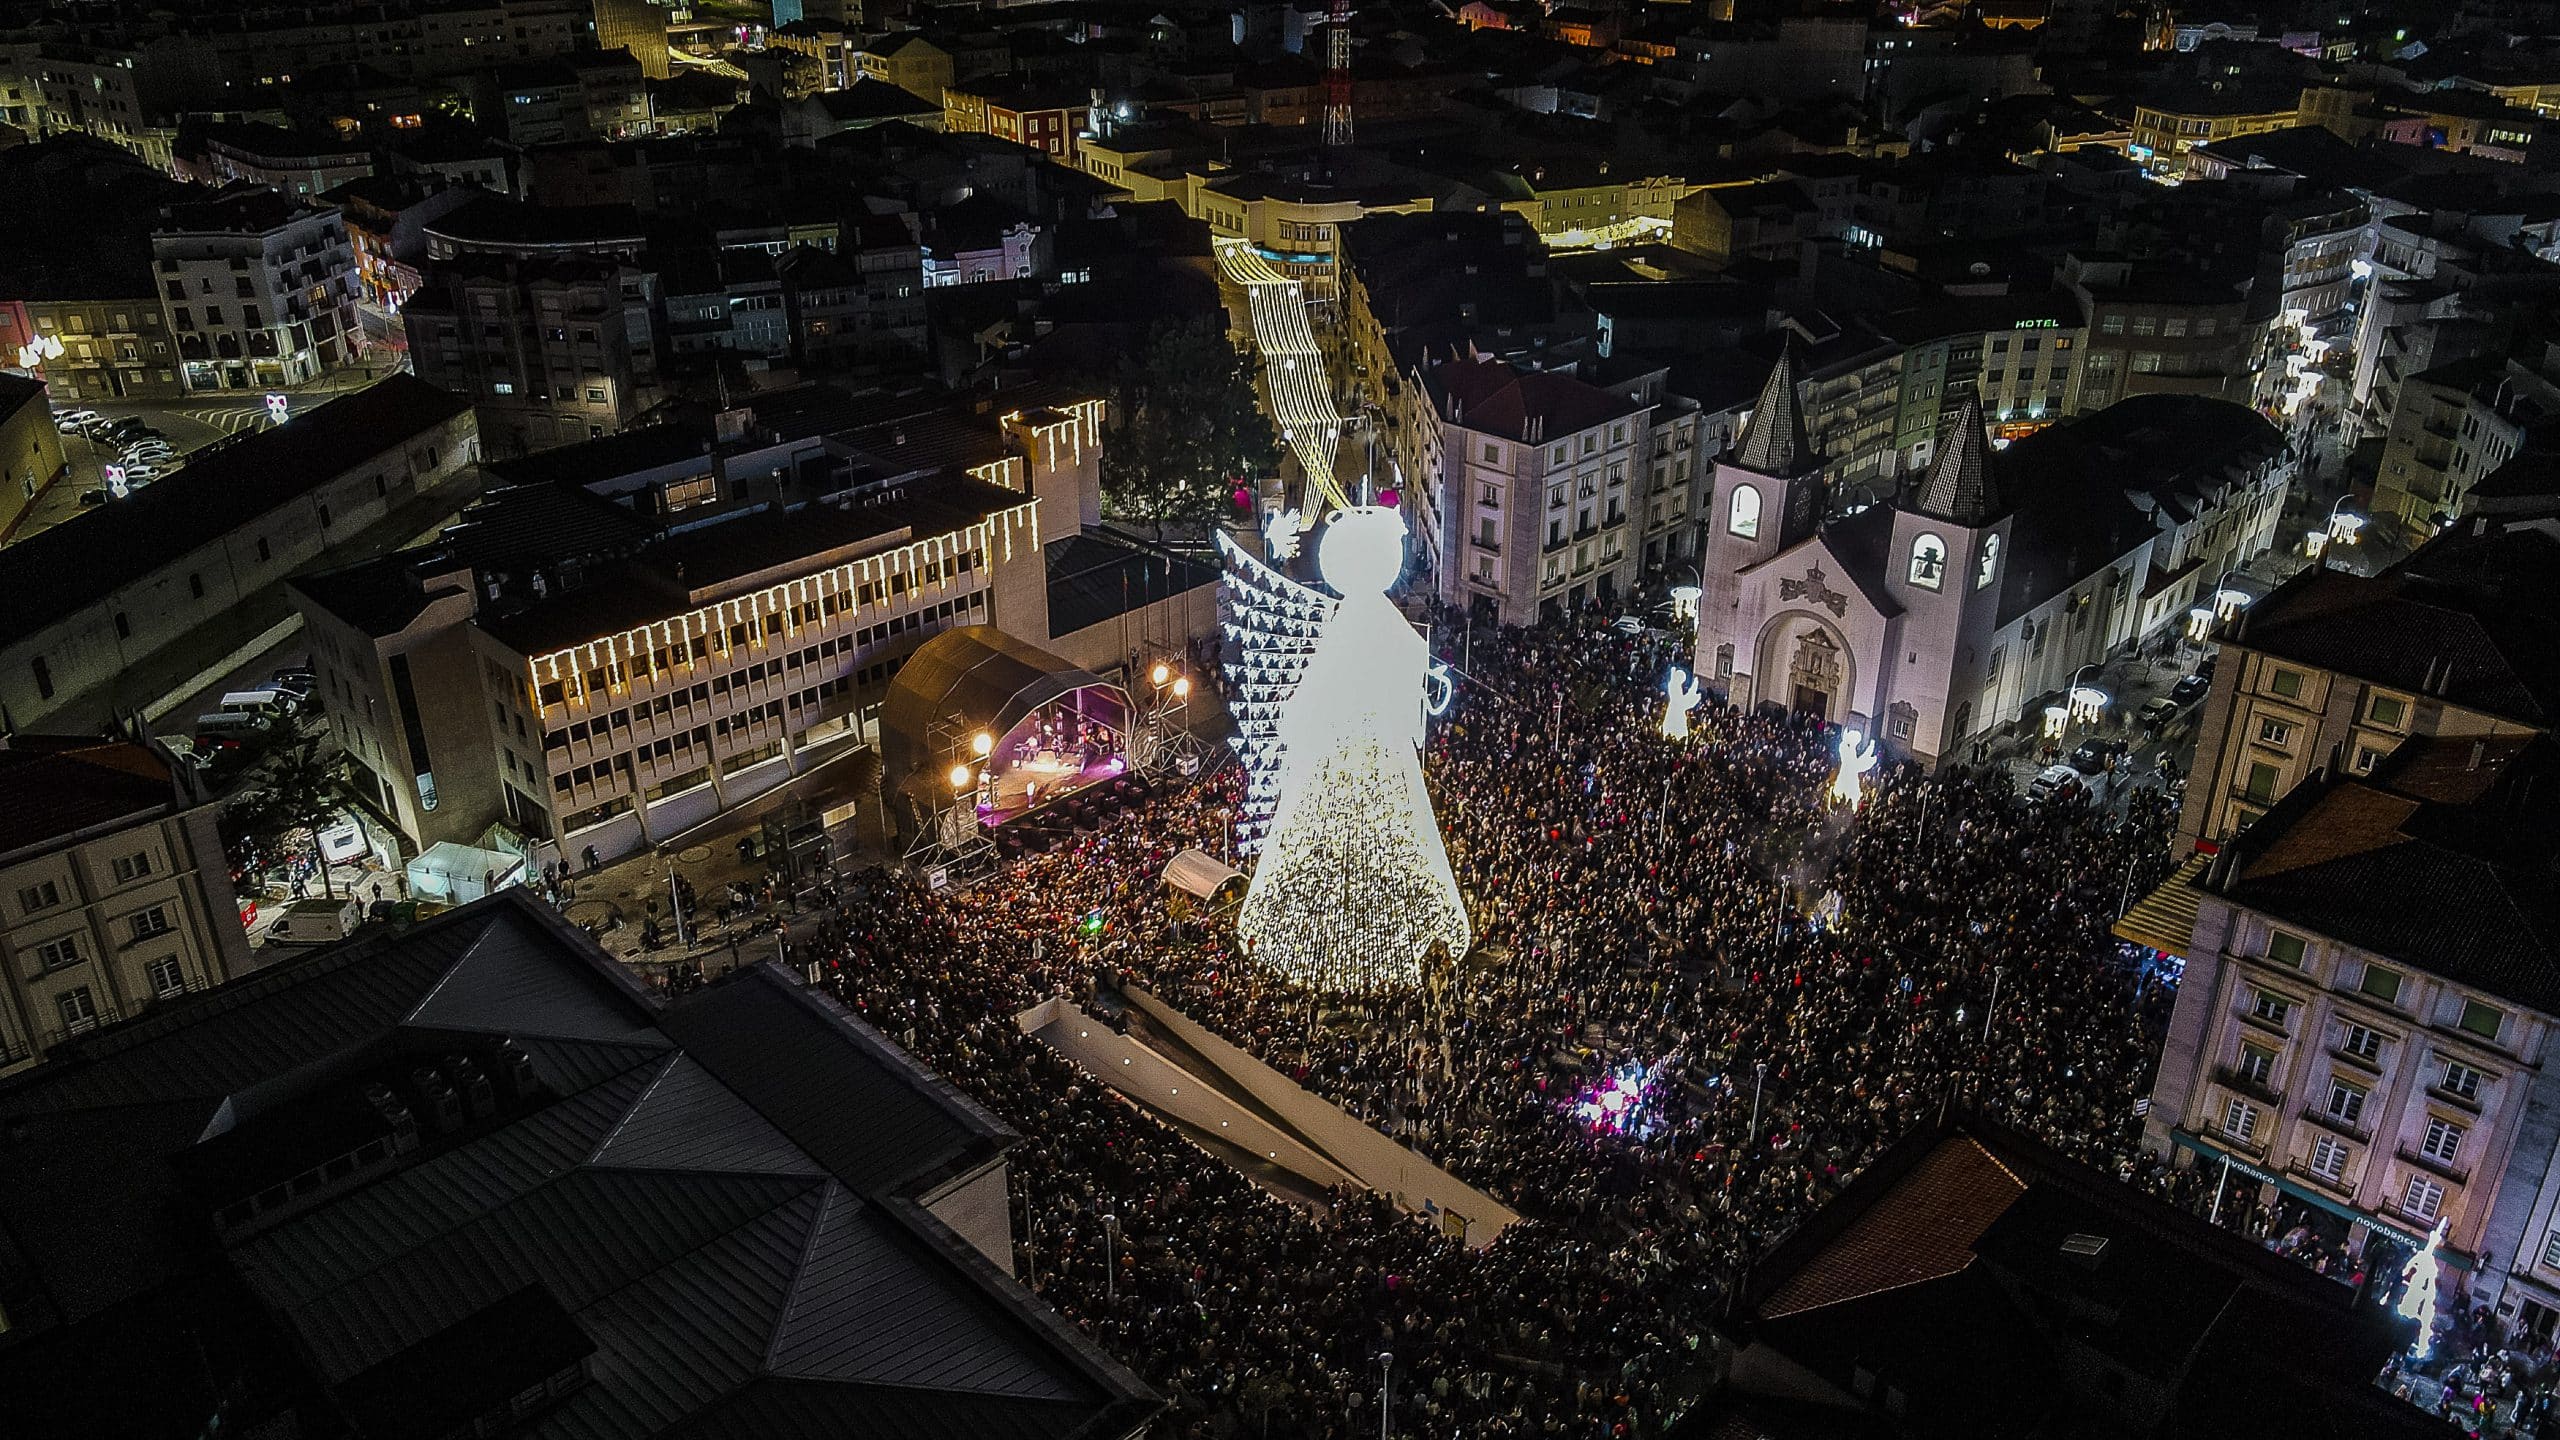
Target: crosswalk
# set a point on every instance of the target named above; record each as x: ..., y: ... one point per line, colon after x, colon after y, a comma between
x: 229, y: 419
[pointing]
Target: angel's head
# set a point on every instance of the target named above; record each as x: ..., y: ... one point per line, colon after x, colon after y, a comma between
x: 1362, y: 552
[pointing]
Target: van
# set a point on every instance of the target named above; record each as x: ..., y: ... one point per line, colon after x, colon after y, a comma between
x: 230, y: 724
x: 317, y: 922
x: 255, y: 702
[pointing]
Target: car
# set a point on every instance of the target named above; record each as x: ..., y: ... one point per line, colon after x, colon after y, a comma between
x: 295, y: 684
x: 95, y: 497
x: 1627, y: 625
x: 150, y: 450
x: 75, y: 419
x: 2096, y: 755
x: 2057, y: 782
x: 2191, y: 688
x: 2158, y: 711
x: 141, y: 473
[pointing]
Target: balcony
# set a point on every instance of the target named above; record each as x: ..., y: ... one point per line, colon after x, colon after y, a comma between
x: 2433, y: 1166
x: 2346, y: 1129
x: 2239, y: 1084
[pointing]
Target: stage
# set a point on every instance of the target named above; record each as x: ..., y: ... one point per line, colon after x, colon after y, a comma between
x: 1043, y: 779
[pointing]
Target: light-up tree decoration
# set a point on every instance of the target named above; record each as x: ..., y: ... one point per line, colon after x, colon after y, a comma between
x: 1354, y: 886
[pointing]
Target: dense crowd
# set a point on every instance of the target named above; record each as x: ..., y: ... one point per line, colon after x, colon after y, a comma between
x: 1802, y: 985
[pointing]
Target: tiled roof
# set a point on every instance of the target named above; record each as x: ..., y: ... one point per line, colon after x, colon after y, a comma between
x: 1532, y: 406
x: 56, y: 786
x: 1921, y: 1229
x: 1774, y: 443
x: 715, y: 1202
x: 1959, y: 487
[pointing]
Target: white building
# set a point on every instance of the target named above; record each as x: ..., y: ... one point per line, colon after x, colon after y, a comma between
x: 259, y: 289
x: 1987, y: 584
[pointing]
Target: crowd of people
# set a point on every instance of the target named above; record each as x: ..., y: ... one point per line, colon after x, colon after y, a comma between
x: 1800, y: 984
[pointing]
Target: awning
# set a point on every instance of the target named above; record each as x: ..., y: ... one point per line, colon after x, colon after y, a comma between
x: 2206, y: 1149
x: 1201, y: 875
x: 2165, y: 919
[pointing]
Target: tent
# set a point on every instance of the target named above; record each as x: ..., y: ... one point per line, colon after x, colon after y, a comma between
x: 457, y: 874
x: 1205, y: 878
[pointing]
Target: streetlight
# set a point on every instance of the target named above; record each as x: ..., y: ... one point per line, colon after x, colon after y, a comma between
x: 1111, y: 1261
x: 1759, y: 1077
x: 1988, y: 1010
x: 1386, y: 1380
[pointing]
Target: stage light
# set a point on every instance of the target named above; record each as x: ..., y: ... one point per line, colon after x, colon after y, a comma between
x: 982, y: 744
x: 960, y: 777
x: 1181, y: 687
x: 1161, y: 673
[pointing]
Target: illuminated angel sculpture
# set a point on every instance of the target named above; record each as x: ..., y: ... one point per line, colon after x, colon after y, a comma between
x: 1848, y: 782
x: 1354, y: 886
x: 1682, y: 696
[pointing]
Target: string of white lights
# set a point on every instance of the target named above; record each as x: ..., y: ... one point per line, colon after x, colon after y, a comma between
x: 1271, y: 623
x: 1294, y: 384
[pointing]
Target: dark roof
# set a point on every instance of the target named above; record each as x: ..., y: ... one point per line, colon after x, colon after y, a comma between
x: 2470, y: 619
x: 242, y: 208
x: 2444, y: 858
x: 107, y: 255
x: 17, y: 392
x: 1774, y: 443
x: 868, y: 99
x: 1094, y: 578
x: 498, y: 220
x: 1958, y: 487
x: 1493, y: 398
x: 749, y: 1162
x: 978, y: 673
x: 53, y: 787
x: 86, y: 558
x: 381, y: 596
x: 607, y: 457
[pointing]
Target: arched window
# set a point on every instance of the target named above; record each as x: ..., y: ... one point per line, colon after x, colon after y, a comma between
x: 1744, y: 519
x: 1928, y: 561
x: 1989, y: 569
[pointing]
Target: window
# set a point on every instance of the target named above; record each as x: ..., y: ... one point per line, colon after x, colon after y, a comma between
x: 167, y: 977
x: 79, y: 1013
x: 58, y: 952
x: 2551, y: 1252
x: 2422, y: 1199
x: 124, y: 626
x: 2481, y: 1020
x: 2240, y: 1120
x: 1928, y: 561
x: 2381, y: 983
x: 133, y: 866
x: 2285, y: 949
x: 2346, y: 1102
x: 154, y: 921
x: 2262, y: 782
x: 2329, y: 1158
x: 2361, y: 1043
x: 1492, y: 454
x: 44, y: 677
x: 195, y: 587
x: 2387, y: 710
x: 2443, y: 1142
x: 2257, y: 1065
x: 2461, y: 1079
x: 1744, y: 517
x: 2272, y: 1008
x: 2278, y: 733
x: 1989, y: 567
x: 41, y: 896
x: 2287, y: 683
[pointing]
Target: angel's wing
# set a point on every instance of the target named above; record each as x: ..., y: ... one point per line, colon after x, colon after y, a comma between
x: 1271, y: 623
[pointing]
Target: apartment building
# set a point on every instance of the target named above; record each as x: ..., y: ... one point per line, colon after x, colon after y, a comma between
x: 610, y: 688
x: 542, y: 347
x: 2334, y: 670
x: 906, y: 59
x: 1548, y: 491
x: 2167, y: 127
x: 2453, y: 424
x: 2160, y: 331
x: 2343, y: 1048
x: 114, y: 892
x: 259, y: 290
x: 2019, y: 355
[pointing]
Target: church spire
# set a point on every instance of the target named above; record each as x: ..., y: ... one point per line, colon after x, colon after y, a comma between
x: 1774, y: 442
x: 1958, y: 487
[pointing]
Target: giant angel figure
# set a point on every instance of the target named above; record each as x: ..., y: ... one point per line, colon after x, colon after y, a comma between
x: 1354, y: 887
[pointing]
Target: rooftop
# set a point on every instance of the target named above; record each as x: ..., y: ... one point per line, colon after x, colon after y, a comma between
x: 53, y: 787
x: 750, y: 1159
x: 85, y: 559
x: 1531, y: 406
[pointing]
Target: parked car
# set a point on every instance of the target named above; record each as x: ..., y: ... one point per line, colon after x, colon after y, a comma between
x: 2096, y: 755
x: 2191, y: 688
x: 2057, y: 782
x: 125, y: 428
x: 145, y: 447
x: 296, y: 682
x: 2157, y: 711
x: 317, y: 922
x: 75, y: 419
x: 95, y: 497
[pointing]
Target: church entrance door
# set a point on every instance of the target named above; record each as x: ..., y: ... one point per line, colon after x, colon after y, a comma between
x: 1815, y: 703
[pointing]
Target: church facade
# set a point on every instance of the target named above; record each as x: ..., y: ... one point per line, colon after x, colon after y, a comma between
x: 1990, y: 580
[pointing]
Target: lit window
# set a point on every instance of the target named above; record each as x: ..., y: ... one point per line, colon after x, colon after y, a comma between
x: 1928, y: 561
x: 1745, y: 516
x: 1989, y: 568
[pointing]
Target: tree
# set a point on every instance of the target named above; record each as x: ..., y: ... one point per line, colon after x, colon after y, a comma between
x: 294, y: 789
x: 1185, y: 427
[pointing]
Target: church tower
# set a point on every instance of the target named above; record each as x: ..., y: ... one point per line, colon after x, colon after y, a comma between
x: 1767, y: 496
x: 1946, y: 566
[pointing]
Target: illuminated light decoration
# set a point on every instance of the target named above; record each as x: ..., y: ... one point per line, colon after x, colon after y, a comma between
x: 2345, y: 527
x: 117, y: 484
x: 2226, y: 603
x: 982, y: 744
x: 2315, y: 543
x: 1684, y: 603
x: 279, y: 408
x: 1298, y: 395
x: 1269, y: 621
x: 1848, y: 779
x: 1354, y: 887
x: 2086, y: 701
x: 2199, y: 623
x: 2418, y: 1298
x: 37, y: 351
x: 1616, y: 1103
x: 1681, y: 695
x: 1281, y: 531
x: 960, y: 777
x: 2056, y: 719
x: 1637, y: 230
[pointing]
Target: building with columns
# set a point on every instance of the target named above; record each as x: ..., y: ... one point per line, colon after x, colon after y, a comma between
x: 1990, y: 579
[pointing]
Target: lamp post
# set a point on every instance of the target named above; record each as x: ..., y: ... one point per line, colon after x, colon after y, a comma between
x: 1759, y: 1077
x: 1993, y: 1008
x: 1386, y: 1381
x: 1111, y: 1261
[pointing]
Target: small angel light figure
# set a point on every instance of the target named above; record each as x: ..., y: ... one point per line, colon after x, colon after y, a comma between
x: 1354, y: 887
x: 1847, y: 783
x: 1682, y: 692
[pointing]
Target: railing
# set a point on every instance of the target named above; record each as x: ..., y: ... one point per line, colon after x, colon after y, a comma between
x: 2457, y: 1174
x: 2260, y: 1091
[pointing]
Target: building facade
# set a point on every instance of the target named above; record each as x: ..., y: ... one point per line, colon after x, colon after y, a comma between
x: 542, y: 347
x: 259, y: 291
x: 114, y: 892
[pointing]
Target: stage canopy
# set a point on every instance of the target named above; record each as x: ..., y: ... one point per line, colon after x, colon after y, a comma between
x: 966, y: 680
x: 1204, y: 877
